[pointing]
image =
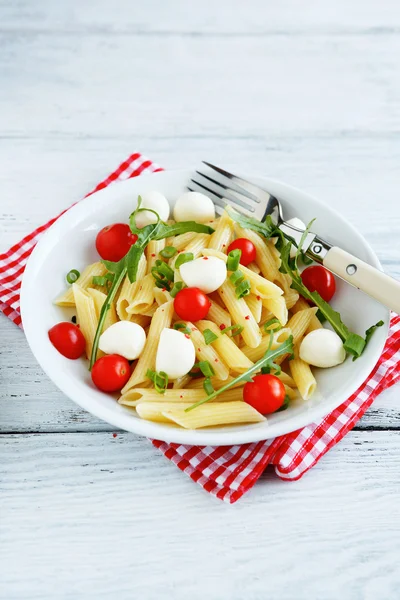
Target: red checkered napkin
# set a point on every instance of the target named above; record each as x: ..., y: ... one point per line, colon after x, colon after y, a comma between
x: 229, y: 471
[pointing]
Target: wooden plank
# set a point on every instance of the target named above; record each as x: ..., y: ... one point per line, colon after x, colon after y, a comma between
x: 91, y: 516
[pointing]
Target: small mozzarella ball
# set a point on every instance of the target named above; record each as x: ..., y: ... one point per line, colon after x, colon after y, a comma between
x: 157, y: 202
x: 193, y: 206
x: 175, y: 353
x: 124, y: 338
x: 300, y: 225
x: 322, y: 348
x: 207, y: 273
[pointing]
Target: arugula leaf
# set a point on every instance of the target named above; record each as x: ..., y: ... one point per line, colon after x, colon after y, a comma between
x: 267, y: 360
x: 164, y: 230
x: 267, y: 228
x: 370, y: 331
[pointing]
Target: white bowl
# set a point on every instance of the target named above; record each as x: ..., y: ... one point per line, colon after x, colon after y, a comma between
x: 69, y: 244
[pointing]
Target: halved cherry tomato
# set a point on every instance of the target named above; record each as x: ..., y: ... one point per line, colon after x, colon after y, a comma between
x: 247, y: 248
x: 110, y: 373
x: 114, y: 241
x: 191, y: 304
x: 68, y: 339
x: 318, y: 279
x: 266, y: 393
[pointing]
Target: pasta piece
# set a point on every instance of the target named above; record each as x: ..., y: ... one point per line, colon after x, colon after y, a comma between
x: 157, y: 411
x: 223, y: 234
x: 315, y: 323
x: 240, y: 314
x: 151, y: 311
x: 254, y: 354
x: 291, y: 297
x: 141, y: 395
x: 195, y: 246
x: 204, y: 352
x: 259, y: 285
x: 161, y: 296
x: 303, y: 377
x: 181, y: 382
x: 142, y: 320
x: 143, y: 298
x: 290, y: 392
x: 162, y: 318
x: 99, y: 299
x: 84, y: 281
x: 299, y: 323
x: 153, y: 250
x: 254, y: 267
x: 197, y: 384
x: 278, y: 308
x: 215, y: 413
x: 265, y: 258
x: 219, y: 315
x: 181, y: 241
x: 232, y: 356
x: 255, y: 305
x: 86, y: 316
x: 286, y: 379
x: 128, y: 291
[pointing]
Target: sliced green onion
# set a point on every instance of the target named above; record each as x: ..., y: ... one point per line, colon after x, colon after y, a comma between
x: 236, y: 277
x: 99, y: 280
x: 182, y: 327
x: 72, y: 276
x: 178, y: 286
x: 184, y: 258
x: 109, y: 277
x: 160, y: 380
x: 208, y: 386
x: 243, y: 289
x: 209, y: 336
x: 205, y: 368
x: 268, y: 326
x: 164, y: 269
x: 163, y: 284
x: 233, y: 260
x: 168, y: 252
x: 235, y: 329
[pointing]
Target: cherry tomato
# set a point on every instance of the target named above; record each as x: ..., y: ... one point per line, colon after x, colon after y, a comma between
x: 114, y: 241
x: 68, y: 339
x: 318, y: 279
x: 248, y: 250
x: 110, y: 373
x: 266, y: 393
x: 191, y: 304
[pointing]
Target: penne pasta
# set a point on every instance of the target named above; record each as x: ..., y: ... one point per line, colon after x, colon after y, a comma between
x: 128, y: 291
x: 162, y: 318
x: 99, y: 299
x: 299, y: 323
x: 254, y: 267
x: 254, y: 354
x: 265, y: 258
x: 255, y: 305
x: 208, y: 353
x: 315, y: 323
x: 181, y: 241
x: 157, y: 411
x: 143, y: 297
x: 140, y: 395
x: 195, y: 246
x: 278, y: 308
x: 240, y: 314
x: 223, y: 234
x: 161, y: 296
x: 303, y: 377
x: 232, y: 356
x: 84, y: 281
x: 86, y: 316
x: 219, y: 315
x: 197, y: 384
x: 153, y: 253
x: 215, y: 413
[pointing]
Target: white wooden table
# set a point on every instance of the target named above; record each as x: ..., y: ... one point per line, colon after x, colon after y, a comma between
x: 305, y: 92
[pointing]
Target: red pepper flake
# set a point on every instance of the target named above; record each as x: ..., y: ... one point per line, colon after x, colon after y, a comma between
x: 205, y: 257
x: 115, y: 435
x: 153, y: 255
x: 224, y: 245
x: 180, y: 396
x: 222, y: 327
x: 198, y: 350
x: 247, y: 317
x: 141, y: 287
x: 216, y: 360
x: 164, y: 290
x: 193, y: 328
x: 258, y: 297
x: 179, y: 251
x: 187, y: 336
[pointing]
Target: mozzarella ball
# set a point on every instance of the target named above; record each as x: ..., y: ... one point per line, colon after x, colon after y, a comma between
x: 300, y: 225
x: 175, y: 353
x: 207, y: 273
x: 193, y: 206
x: 322, y: 348
x: 157, y: 202
x: 124, y: 338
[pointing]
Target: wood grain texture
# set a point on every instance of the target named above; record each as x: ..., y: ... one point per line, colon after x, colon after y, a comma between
x: 307, y: 93
x: 109, y: 517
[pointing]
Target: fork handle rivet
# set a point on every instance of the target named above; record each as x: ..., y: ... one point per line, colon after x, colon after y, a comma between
x: 351, y: 269
x: 317, y: 248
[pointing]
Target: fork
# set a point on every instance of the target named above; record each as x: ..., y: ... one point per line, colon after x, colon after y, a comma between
x: 253, y: 201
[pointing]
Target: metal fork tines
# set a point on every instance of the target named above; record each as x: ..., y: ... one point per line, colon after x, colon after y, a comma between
x: 242, y: 195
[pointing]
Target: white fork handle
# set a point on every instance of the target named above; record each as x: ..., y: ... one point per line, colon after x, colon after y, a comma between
x: 368, y: 279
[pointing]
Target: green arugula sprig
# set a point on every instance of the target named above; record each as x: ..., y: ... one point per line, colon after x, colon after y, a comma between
x: 129, y: 264
x: 266, y: 361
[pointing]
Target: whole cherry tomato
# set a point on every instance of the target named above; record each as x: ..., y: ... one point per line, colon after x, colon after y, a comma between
x: 318, y: 279
x: 191, y: 304
x: 114, y: 241
x: 247, y: 248
x: 266, y: 393
x: 110, y: 373
x: 68, y: 339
